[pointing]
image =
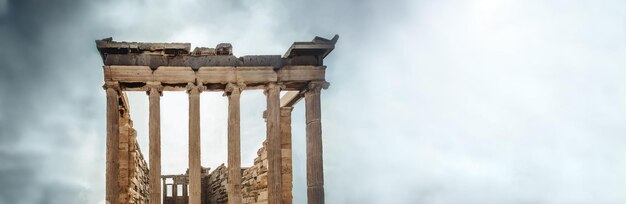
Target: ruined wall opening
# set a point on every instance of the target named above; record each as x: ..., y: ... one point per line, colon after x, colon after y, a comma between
x: 179, y: 190
x: 170, y: 191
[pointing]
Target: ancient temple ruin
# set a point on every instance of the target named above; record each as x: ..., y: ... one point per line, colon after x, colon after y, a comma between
x: 157, y: 67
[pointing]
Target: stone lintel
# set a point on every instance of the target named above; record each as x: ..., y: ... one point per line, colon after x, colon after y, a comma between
x: 135, y: 78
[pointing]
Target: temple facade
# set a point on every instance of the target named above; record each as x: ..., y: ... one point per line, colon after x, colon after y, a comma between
x: 157, y: 67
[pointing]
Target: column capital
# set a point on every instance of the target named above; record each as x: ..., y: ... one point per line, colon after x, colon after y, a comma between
x: 273, y: 86
x: 153, y: 88
x: 194, y: 89
x: 316, y: 86
x: 285, y: 111
x: 234, y: 88
x: 114, y: 85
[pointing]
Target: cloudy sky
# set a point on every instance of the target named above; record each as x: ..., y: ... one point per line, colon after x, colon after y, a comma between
x: 484, y: 101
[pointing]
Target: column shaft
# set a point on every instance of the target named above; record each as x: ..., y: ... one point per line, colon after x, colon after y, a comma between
x: 194, y: 144
x: 155, y: 144
x: 286, y: 161
x: 164, y: 189
x: 185, y: 194
x: 234, y: 145
x: 112, y: 145
x: 175, y: 192
x: 314, y: 161
x: 274, y: 190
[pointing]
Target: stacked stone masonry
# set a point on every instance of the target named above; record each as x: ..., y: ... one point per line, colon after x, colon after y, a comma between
x: 254, y: 180
x: 133, y: 173
x: 215, y: 187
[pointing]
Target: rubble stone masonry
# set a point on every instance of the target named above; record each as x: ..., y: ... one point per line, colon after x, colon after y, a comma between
x: 133, y: 173
x: 216, y: 186
x: 254, y: 180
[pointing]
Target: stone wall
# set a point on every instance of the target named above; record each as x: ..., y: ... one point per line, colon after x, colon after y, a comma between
x: 215, y: 186
x: 133, y: 174
x: 254, y: 178
x: 254, y: 181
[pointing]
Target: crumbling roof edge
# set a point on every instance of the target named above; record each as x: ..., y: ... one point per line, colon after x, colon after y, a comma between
x: 317, y: 43
x: 319, y: 46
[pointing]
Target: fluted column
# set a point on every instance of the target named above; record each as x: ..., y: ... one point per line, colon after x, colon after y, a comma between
x: 314, y: 160
x: 234, y: 143
x: 194, y: 143
x: 155, y: 91
x: 274, y: 190
x: 112, y: 142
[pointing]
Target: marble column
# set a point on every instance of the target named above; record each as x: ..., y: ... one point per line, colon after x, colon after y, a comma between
x: 274, y: 190
x: 234, y: 143
x: 155, y: 91
x: 286, y: 155
x: 194, y: 143
x: 112, y: 142
x: 314, y: 160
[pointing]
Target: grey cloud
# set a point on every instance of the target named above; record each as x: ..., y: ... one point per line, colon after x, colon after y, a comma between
x: 47, y: 118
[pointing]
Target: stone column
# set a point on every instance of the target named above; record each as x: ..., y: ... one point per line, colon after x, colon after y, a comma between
x: 175, y: 192
x: 155, y: 91
x: 164, y: 189
x: 314, y: 160
x: 285, y: 143
x: 194, y: 143
x: 185, y: 194
x: 234, y: 143
x: 112, y: 142
x: 274, y: 190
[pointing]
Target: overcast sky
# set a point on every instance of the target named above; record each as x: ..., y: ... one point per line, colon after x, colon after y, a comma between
x: 485, y: 101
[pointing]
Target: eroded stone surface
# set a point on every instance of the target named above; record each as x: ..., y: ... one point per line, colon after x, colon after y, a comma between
x: 157, y: 67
